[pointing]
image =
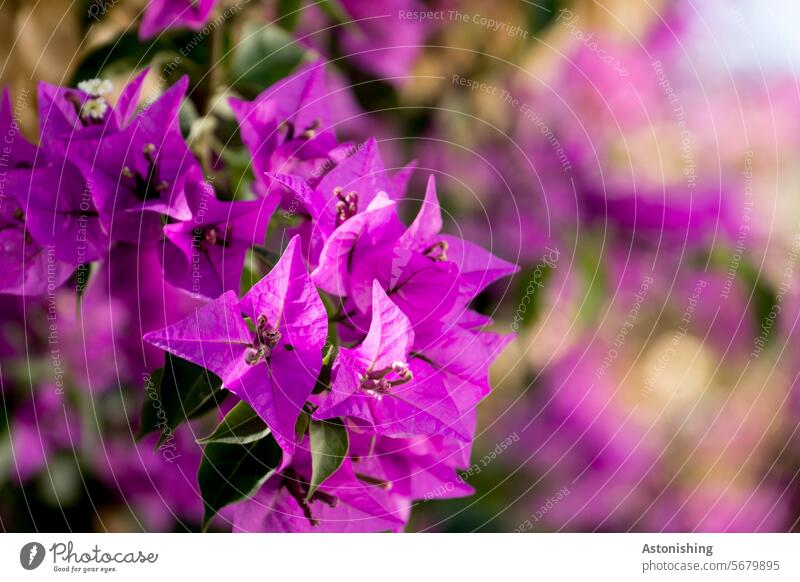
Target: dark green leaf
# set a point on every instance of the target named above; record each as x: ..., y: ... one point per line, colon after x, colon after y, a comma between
x: 329, y: 445
x: 289, y: 11
x: 126, y: 52
x: 761, y: 293
x: 324, y: 378
x: 593, y: 273
x: 301, y: 426
x: 178, y: 392
x: 532, y: 282
x: 268, y: 257
x: 230, y: 473
x: 265, y: 55
x: 335, y: 11
x: 240, y: 426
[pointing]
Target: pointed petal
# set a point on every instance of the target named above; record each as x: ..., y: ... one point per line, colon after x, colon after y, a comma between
x: 478, y: 268
x: 371, y: 228
x: 128, y: 101
x: 278, y: 389
x: 289, y: 300
x: 215, y: 337
x: 428, y: 222
x: 390, y: 335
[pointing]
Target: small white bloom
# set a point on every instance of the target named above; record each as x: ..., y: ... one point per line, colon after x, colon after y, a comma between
x: 96, y: 87
x: 94, y: 109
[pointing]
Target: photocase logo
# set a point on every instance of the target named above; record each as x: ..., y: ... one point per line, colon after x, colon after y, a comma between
x: 31, y: 555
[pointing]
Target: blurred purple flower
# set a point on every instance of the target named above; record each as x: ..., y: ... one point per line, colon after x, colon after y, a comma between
x: 138, y: 173
x: 42, y: 426
x: 289, y: 128
x: 161, y: 15
x: 205, y: 255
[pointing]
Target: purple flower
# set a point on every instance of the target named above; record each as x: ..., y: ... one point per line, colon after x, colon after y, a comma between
x: 347, y: 190
x: 274, y: 366
x: 432, y: 277
x: 42, y: 426
x: 161, y: 15
x: 158, y: 487
x: 463, y: 352
x: 382, y: 385
x: 56, y: 199
x: 288, y: 128
x: 205, y: 255
x: 343, y: 503
x: 416, y: 468
x: 67, y: 114
x: 59, y: 212
x: 28, y: 268
x: 138, y: 173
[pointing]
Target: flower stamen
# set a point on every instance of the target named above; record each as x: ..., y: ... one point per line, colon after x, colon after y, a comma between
x: 437, y: 251
x: 347, y: 207
x: 379, y: 382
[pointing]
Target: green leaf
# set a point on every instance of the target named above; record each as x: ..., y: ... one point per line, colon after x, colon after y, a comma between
x: 532, y: 282
x: 301, y: 426
x: 324, y: 378
x: 335, y: 11
x: 126, y: 52
x: 264, y: 56
x: 240, y: 426
x: 230, y: 473
x: 268, y: 257
x: 289, y: 11
x: 591, y: 268
x: 176, y: 393
x: 329, y: 445
x: 762, y: 294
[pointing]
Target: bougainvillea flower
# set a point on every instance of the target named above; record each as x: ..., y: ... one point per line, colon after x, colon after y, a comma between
x: 430, y: 276
x: 205, y: 255
x: 288, y: 128
x: 125, y: 298
x: 23, y: 261
x: 351, y: 242
x: 273, y: 368
x: 138, y: 173
x: 379, y: 384
x: 343, y: 503
x: 28, y: 268
x: 414, y: 468
x: 463, y: 356
x: 45, y: 425
x: 59, y: 212
x: 161, y: 15
x: 157, y: 486
x: 67, y: 114
x: 379, y: 40
x: 346, y: 190
x: 476, y: 268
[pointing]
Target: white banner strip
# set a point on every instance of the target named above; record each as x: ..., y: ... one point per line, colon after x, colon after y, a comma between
x: 404, y: 557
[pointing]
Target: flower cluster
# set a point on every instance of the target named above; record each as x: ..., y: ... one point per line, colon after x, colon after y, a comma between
x: 389, y: 356
x: 356, y: 361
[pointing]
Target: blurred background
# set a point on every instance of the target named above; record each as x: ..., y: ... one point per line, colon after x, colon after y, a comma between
x: 638, y: 160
